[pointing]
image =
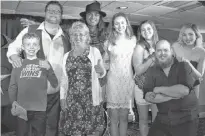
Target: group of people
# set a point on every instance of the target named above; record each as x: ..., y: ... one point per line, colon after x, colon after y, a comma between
x: 63, y: 82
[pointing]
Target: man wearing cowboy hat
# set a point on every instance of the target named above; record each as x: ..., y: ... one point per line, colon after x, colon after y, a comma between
x: 93, y: 18
x: 95, y: 6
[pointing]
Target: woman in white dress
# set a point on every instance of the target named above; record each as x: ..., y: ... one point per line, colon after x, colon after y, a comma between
x: 143, y: 58
x: 189, y: 48
x: 120, y: 83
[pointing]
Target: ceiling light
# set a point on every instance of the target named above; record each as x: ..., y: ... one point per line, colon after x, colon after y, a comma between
x: 122, y: 7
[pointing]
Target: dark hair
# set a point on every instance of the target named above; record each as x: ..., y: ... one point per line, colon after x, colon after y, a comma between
x: 142, y: 41
x: 54, y: 3
x: 101, y: 26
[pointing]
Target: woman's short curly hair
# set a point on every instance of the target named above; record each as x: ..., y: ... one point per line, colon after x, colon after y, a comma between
x: 79, y: 26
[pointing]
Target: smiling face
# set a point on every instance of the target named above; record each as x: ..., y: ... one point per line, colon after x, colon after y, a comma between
x: 79, y: 38
x: 147, y: 31
x: 189, y: 37
x: 164, y: 54
x: 92, y: 18
x: 120, y: 24
x: 31, y: 46
x: 53, y: 14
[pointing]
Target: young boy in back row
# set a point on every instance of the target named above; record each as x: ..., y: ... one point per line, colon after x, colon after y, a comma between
x: 28, y: 88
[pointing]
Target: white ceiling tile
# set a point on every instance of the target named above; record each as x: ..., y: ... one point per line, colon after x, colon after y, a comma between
x: 187, y: 16
x: 11, y: 5
x: 44, y: 1
x: 72, y: 10
x: 155, y: 10
x: 132, y: 7
x: 81, y: 4
x: 199, y: 9
x: 146, y: 2
x: 31, y: 7
x: 175, y: 4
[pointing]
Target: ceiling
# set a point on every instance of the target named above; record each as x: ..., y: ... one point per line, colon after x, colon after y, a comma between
x: 166, y: 14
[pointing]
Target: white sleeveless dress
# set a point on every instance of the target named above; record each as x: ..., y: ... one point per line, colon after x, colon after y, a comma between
x: 120, y: 82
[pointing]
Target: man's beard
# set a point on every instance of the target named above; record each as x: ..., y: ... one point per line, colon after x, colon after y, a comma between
x: 165, y: 64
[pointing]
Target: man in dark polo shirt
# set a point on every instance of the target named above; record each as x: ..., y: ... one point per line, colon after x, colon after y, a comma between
x: 170, y: 84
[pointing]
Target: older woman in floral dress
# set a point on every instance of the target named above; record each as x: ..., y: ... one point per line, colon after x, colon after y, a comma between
x: 81, y: 94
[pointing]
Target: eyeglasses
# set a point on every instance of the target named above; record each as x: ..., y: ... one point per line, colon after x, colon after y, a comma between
x: 80, y: 35
x: 53, y: 11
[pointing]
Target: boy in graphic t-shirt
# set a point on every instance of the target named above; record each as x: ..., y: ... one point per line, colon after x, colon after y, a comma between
x: 28, y: 88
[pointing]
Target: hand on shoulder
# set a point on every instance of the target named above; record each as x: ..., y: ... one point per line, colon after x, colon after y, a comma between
x: 16, y: 61
x: 199, y: 41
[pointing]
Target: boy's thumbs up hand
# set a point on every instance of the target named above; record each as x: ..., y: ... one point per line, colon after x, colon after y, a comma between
x: 98, y: 67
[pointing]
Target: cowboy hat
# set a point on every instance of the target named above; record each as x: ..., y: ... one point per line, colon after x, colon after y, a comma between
x: 95, y: 6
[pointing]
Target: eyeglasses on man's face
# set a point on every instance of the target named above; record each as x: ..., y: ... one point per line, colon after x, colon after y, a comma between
x: 51, y: 11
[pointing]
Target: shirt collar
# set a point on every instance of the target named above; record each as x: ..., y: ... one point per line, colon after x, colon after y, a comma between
x: 42, y: 27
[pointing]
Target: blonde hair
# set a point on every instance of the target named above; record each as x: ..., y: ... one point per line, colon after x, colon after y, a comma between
x: 112, y: 34
x: 191, y: 26
x: 31, y: 36
x: 79, y: 26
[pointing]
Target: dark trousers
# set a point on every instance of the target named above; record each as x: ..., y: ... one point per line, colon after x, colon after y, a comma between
x: 52, y: 114
x: 188, y: 128
x: 35, y: 126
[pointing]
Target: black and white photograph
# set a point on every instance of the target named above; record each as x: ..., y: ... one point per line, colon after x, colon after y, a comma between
x: 102, y: 68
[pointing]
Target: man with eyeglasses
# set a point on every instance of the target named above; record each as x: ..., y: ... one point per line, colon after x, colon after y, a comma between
x: 54, y: 44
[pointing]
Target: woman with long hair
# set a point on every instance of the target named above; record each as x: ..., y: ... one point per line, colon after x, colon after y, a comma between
x: 120, y: 84
x: 143, y: 58
x: 93, y: 17
x: 189, y: 48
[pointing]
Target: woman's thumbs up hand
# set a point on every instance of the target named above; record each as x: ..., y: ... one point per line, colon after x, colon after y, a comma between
x: 99, y: 68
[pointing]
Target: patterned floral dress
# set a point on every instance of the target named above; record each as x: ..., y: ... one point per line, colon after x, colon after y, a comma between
x: 81, y: 117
